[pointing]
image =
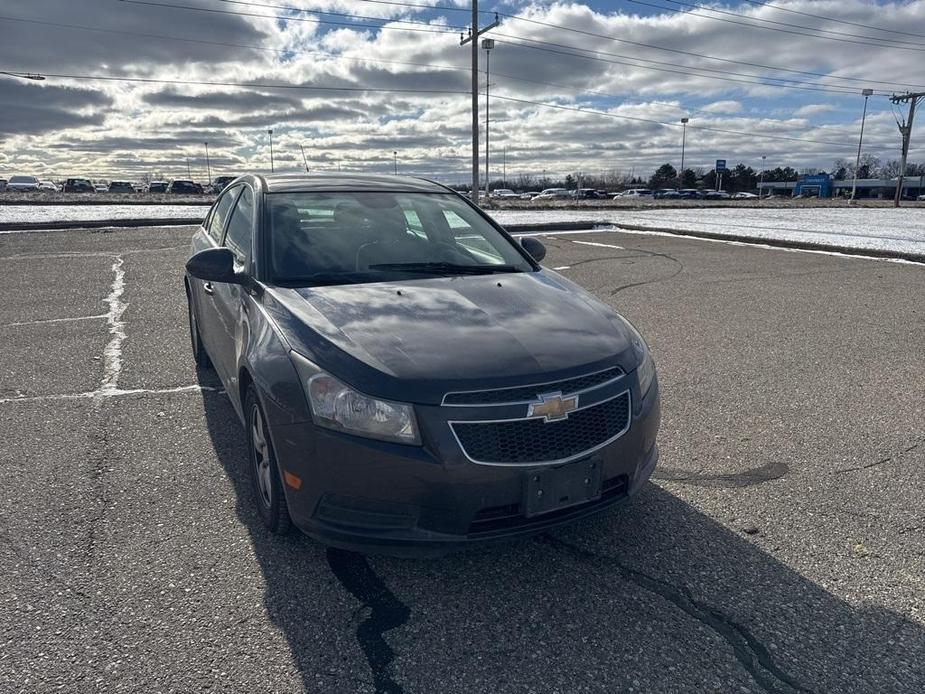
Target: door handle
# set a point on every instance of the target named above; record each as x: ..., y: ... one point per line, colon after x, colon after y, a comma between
x: 208, y: 288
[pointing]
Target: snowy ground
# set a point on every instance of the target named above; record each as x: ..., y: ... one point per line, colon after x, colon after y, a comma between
x: 861, y: 228
x: 86, y: 213
x: 868, y: 228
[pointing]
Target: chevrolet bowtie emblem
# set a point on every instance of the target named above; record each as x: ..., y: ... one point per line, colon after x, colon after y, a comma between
x: 553, y: 407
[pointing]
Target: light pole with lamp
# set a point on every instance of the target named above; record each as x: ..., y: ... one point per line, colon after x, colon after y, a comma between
x: 761, y: 179
x: 857, y: 162
x: 270, y: 133
x: 395, y: 162
x: 487, y: 44
x: 208, y: 164
x: 683, y: 142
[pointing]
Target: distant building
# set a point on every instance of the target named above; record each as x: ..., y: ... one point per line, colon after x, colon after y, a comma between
x: 824, y: 186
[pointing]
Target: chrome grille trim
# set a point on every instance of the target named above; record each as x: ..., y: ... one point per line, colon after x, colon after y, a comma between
x: 545, y: 387
x: 560, y: 461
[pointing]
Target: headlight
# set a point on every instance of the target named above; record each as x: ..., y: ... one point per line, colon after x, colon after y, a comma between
x: 336, y: 405
x: 646, y: 369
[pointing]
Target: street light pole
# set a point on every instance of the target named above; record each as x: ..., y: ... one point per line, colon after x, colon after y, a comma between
x: 857, y: 162
x: 270, y: 133
x: 395, y: 162
x: 487, y: 44
x: 683, y: 142
x: 208, y: 164
x: 761, y: 180
x: 189, y: 173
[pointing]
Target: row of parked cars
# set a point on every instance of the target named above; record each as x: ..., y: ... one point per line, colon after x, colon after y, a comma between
x: 31, y: 184
x: 592, y: 194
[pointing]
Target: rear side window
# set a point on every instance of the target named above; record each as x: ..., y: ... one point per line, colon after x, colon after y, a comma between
x: 240, y: 226
x: 220, y: 214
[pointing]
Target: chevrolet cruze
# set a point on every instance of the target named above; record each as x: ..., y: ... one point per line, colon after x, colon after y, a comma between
x: 410, y: 379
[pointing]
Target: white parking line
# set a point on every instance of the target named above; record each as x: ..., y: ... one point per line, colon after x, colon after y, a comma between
x: 113, y: 393
x: 562, y: 267
x: 595, y: 243
x: 54, y: 320
x: 112, y: 354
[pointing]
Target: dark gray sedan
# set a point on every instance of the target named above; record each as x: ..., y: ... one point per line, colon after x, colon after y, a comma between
x: 410, y: 379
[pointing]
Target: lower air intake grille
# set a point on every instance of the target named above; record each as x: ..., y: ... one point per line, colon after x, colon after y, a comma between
x: 537, y: 441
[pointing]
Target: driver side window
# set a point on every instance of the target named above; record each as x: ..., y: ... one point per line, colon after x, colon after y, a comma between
x: 241, y: 227
x: 220, y: 214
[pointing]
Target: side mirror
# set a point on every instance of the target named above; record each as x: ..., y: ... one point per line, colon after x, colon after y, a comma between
x: 536, y: 249
x: 214, y: 265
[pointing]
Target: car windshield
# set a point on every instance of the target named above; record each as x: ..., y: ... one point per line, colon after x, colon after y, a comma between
x: 356, y: 237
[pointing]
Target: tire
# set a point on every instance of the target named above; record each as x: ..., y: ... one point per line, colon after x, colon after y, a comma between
x: 200, y: 356
x: 269, y: 496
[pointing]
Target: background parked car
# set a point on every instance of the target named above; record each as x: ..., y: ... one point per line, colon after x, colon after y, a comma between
x: 2, y: 184
x: 158, y: 187
x: 690, y: 194
x: 553, y: 194
x: 529, y: 195
x: 503, y: 193
x: 121, y: 187
x: 716, y: 195
x: 78, y: 185
x: 744, y: 196
x: 585, y: 194
x: 100, y: 186
x: 183, y: 187
x: 22, y: 184
x: 220, y: 183
x: 48, y: 186
x: 921, y: 197
x: 634, y: 193
x: 666, y: 194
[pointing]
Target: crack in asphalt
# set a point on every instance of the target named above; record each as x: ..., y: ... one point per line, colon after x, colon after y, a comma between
x: 745, y: 478
x: 753, y: 655
x: 386, y: 612
x: 888, y: 459
x: 678, y: 271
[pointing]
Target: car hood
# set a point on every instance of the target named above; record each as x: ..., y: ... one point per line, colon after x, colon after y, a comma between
x: 416, y: 340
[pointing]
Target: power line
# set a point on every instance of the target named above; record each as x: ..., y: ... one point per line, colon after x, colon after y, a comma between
x: 770, y: 28
x: 819, y: 16
x: 435, y: 30
x: 641, y: 44
x: 251, y: 85
x: 302, y: 10
x: 677, y: 68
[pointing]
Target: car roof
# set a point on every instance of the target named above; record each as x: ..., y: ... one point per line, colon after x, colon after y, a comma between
x: 307, y: 183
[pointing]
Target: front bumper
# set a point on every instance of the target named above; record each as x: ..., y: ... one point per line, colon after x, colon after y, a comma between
x: 372, y: 496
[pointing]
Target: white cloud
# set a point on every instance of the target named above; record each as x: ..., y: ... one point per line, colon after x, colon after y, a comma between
x: 133, y: 127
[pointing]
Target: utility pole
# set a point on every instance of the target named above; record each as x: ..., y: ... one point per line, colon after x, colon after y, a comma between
x: 683, y: 142
x: 208, y: 165
x: 504, y: 165
x: 764, y: 158
x: 270, y: 133
x: 906, y: 130
x: 487, y: 44
x: 857, y: 162
x: 473, y: 36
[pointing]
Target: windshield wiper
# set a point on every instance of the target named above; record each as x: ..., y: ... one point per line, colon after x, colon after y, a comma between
x: 437, y: 268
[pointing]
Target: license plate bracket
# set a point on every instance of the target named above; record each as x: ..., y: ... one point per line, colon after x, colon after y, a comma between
x: 555, y: 488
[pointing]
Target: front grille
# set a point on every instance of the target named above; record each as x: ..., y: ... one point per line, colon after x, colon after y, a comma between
x: 528, y: 393
x: 537, y: 441
x: 509, y: 517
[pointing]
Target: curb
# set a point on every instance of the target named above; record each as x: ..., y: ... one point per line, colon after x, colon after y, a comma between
x: 886, y: 253
x: 100, y: 223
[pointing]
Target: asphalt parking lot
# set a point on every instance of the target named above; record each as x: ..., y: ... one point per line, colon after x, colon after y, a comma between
x: 780, y: 549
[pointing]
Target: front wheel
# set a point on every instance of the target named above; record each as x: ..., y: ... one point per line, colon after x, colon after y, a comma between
x: 199, y: 352
x: 265, y: 477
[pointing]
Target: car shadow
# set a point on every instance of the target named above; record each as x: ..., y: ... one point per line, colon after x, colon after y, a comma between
x: 655, y: 596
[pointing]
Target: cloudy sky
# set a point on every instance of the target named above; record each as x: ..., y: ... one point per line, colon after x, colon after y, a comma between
x: 589, y: 86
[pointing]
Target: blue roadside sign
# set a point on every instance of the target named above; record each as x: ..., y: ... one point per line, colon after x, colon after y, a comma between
x: 720, y: 165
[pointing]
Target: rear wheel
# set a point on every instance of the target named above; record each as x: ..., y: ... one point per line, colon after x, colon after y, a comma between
x: 265, y: 476
x: 199, y: 352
